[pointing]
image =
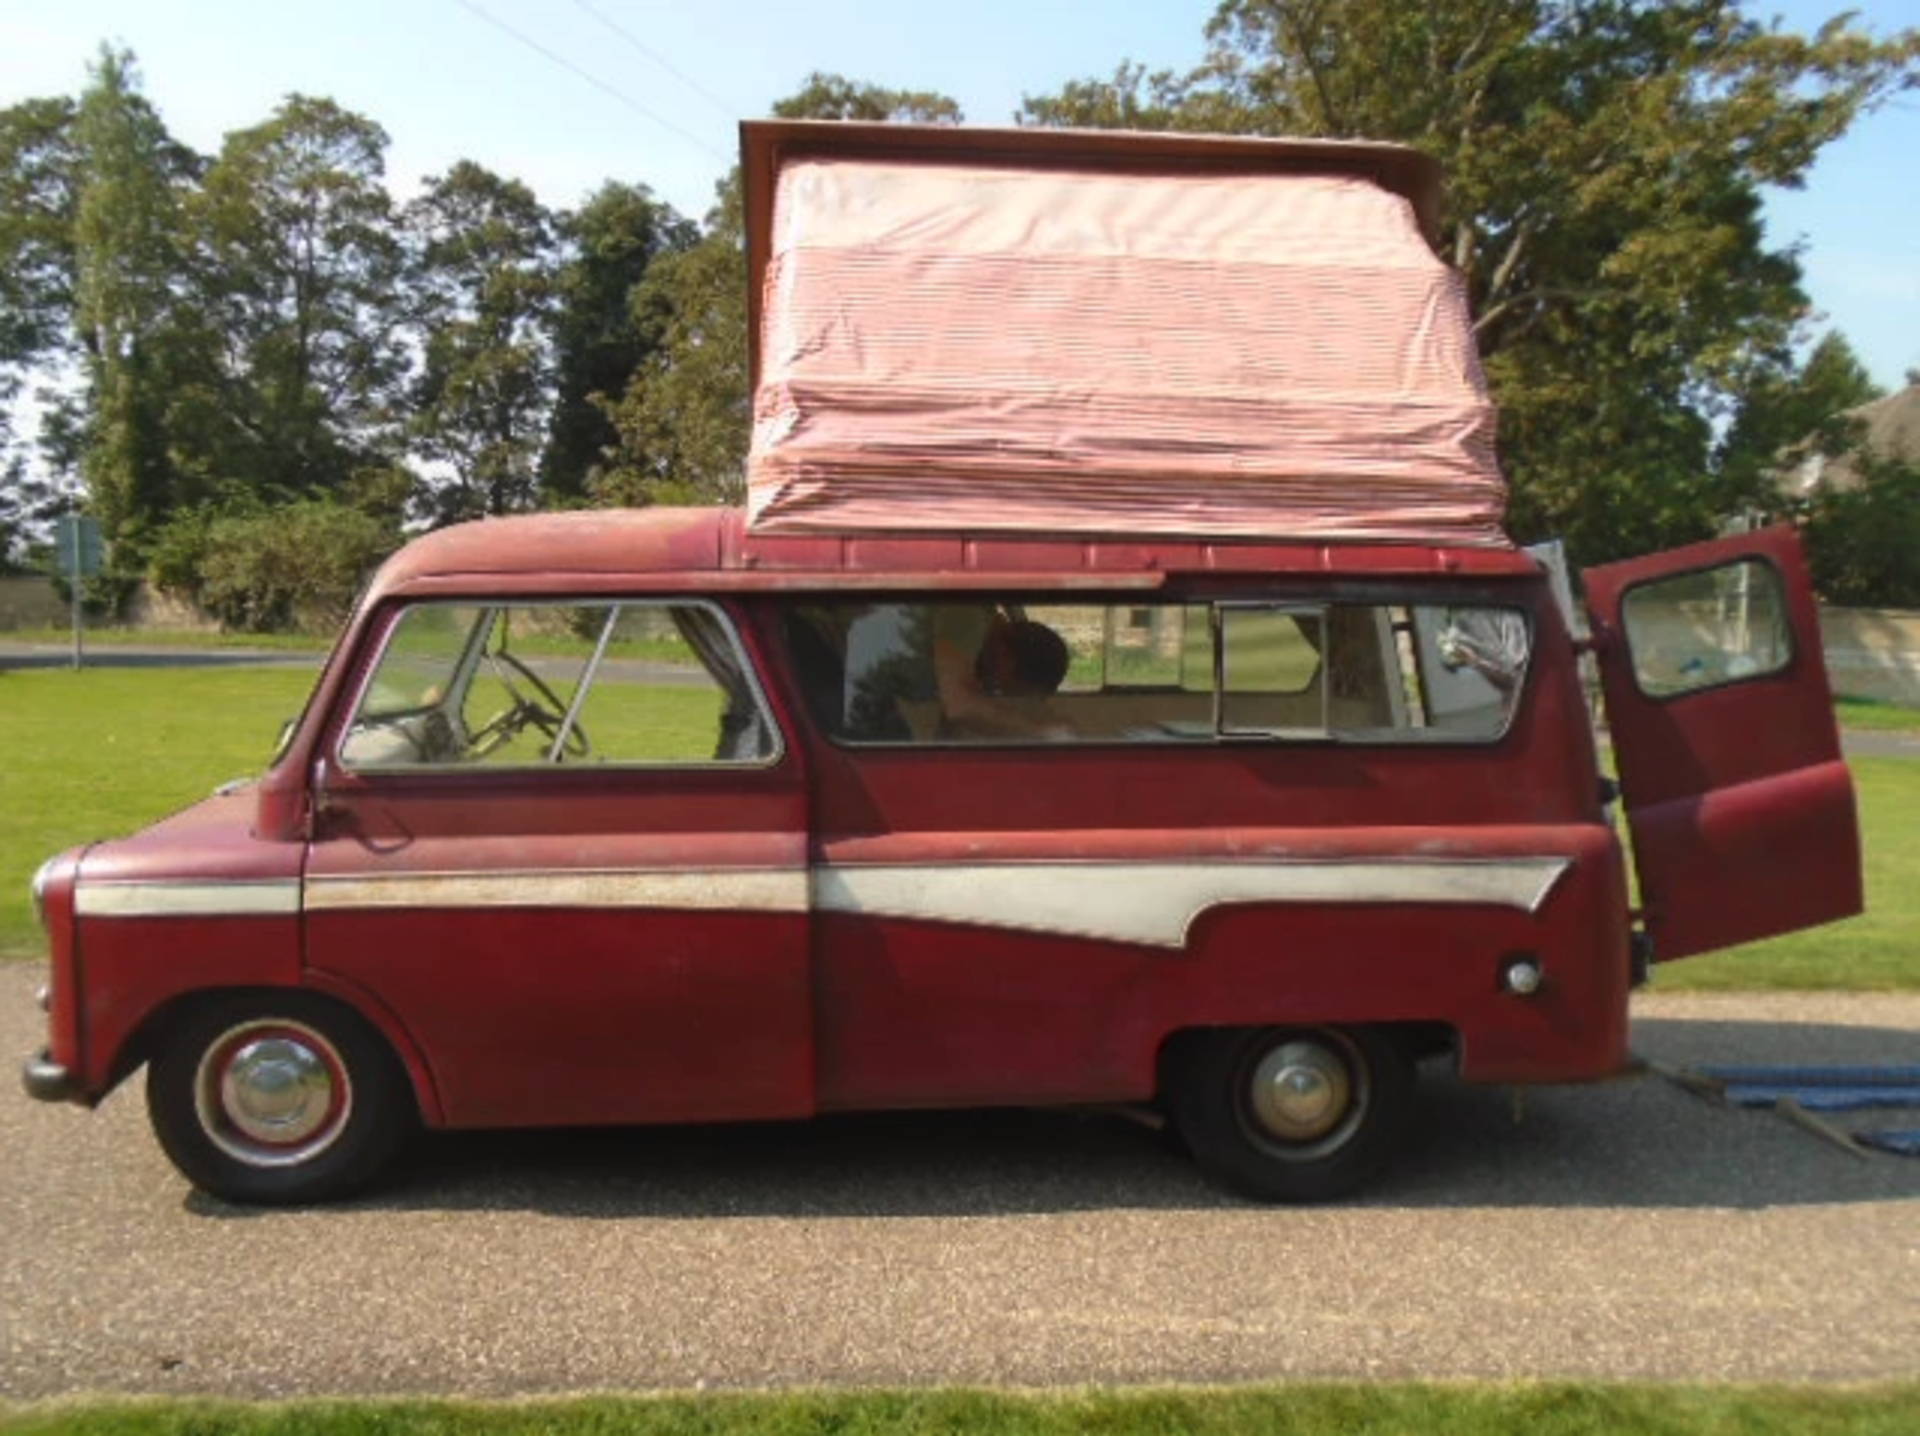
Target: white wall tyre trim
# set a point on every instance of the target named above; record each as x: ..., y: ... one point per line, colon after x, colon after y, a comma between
x: 273, y: 1092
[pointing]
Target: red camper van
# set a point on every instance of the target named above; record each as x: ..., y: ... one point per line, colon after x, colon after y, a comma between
x: 1117, y: 689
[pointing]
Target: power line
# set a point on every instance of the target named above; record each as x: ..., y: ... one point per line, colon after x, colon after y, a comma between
x: 729, y: 110
x: 594, y: 80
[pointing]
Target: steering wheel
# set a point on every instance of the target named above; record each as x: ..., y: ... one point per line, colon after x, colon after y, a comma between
x: 546, y: 714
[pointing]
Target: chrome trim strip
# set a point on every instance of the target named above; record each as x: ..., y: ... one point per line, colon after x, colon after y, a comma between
x: 273, y: 898
x: 740, y: 889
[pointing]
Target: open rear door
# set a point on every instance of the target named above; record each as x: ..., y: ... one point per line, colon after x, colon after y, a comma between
x: 1741, y: 809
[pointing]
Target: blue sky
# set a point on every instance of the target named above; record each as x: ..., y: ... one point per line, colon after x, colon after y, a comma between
x: 569, y: 100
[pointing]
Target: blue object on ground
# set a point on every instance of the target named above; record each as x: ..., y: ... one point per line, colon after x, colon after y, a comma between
x: 1820, y: 1098
x: 1828, y: 1089
x: 1884, y: 1076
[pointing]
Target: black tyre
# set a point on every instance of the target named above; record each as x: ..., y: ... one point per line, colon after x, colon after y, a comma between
x: 1293, y: 1114
x: 278, y: 1098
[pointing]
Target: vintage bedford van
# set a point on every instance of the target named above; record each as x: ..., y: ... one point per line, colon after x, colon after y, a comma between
x: 699, y: 815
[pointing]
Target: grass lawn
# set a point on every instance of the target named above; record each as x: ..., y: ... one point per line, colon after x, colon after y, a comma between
x: 1871, y: 714
x: 1559, y: 1409
x: 111, y: 638
x: 102, y: 751
x: 1878, y: 951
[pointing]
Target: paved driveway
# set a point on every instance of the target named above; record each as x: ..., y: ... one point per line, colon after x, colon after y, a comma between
x: 1629, y: 1230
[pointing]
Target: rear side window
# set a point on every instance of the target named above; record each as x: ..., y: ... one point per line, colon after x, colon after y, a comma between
x: 464, y: 685
x: 1003, y: 670
x: 1708, y: 628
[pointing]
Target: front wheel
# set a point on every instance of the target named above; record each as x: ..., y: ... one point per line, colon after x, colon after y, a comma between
x: 1293, y: 1114
x: 278, y: 1098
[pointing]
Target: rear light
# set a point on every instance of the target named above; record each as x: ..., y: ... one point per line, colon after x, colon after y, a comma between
x: 1522, y: 977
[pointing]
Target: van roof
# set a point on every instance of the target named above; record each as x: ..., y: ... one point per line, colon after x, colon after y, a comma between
x: 712, y: 550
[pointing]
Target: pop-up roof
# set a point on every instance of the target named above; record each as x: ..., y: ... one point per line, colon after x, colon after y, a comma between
x: 1107, y: 333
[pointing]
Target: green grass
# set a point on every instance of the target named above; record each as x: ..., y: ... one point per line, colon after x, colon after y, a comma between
x: 1410, y: 1409
x: 111, y: 638
x: 1871, y: 713
x: 101, y: 752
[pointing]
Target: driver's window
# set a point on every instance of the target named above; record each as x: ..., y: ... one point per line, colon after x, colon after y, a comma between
x: 524, y: 685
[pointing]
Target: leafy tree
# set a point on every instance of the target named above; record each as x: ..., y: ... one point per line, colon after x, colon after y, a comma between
x: 128, y: 185
x: 37, y: 201
x: 683, y: 422
x: 483, y: 268
x: 1605, y: 160
x: 1863, y: 542
x: 293, y: 567
x: 604, y: 327
x: 833, y: 97
x: 28, y: 505
x: 1784, y: 411
x: 299, y: 272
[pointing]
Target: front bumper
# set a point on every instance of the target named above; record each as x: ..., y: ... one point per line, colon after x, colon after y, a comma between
x: 47, y: 1081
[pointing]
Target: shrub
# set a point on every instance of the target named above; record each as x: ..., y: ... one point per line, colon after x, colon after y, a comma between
x: 291, y: 569
x: 1863, y: 543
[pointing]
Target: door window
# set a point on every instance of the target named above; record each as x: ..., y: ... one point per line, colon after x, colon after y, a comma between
x: 461, y: 685
x: 1707, y: 628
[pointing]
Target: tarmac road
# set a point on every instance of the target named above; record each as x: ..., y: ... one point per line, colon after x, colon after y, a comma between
x: 1624, y: 1231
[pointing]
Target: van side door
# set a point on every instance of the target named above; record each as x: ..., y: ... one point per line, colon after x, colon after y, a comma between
x: 1740, y: 805
x: 563, y: 844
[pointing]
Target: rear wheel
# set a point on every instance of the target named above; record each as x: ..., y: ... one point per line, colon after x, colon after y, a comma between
x: 278, y: 1098
x: 1293, y: 1114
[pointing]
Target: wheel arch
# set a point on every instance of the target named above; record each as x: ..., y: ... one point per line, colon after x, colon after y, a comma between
x: 175, y: 1013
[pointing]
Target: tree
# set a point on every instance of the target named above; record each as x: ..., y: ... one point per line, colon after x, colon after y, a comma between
x: 683, y: 422
x: 298, y: 271
x: 483, y: 267
x: 1605, y: 160
x: 38, y: 161
x: 129, y: 179
x: 1784, y: 411
x: 604, y: 327
x: 1863, y: 542
x: 833, y: 97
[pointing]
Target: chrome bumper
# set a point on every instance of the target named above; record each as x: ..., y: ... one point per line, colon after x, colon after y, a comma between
x: 47, y: 1081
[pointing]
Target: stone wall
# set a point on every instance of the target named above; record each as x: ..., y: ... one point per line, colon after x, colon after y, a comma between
x: 30, y: 602
x: 1873, y: 653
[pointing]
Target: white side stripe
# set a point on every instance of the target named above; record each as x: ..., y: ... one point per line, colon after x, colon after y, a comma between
x: 1156, y: 903
x: 1140, y: 902
x: 723, y: 889
x: 162, y: 899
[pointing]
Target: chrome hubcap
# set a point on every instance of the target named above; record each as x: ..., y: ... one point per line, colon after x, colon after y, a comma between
x: 276, y: 1090
x: 272, y: 1094
x: 1300, y: 1092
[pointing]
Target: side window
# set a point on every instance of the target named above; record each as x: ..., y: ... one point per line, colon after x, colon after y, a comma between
x: 466, y: 685
x: 1472, y: 662
x: 1708, y: 628
x: 1002, y: 670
